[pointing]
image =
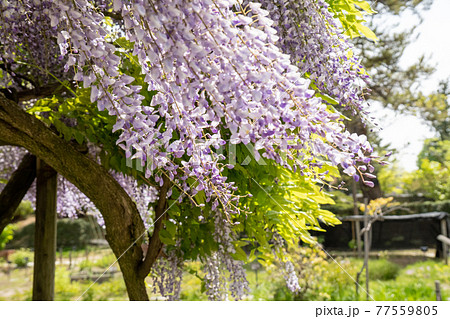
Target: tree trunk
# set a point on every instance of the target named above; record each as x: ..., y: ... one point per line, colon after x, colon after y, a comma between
x: 136, y: 287
x: 358, y: 127
x: 16, y: 188
x: 371, y: 192
x: 45, y: 233
x: 124, y: 226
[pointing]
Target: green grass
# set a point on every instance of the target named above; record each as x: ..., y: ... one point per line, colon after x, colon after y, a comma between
x: 387, y: 282
x: 415, y: 282
x: 20, y: 287
x: 325, y: 281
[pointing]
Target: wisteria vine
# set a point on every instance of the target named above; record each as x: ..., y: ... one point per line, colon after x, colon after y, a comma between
x: 222, y: 72
x: 214, y: 69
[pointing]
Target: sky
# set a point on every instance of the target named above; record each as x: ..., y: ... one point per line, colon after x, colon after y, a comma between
x: 407, y: 133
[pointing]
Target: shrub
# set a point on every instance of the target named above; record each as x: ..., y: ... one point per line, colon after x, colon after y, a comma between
x: 24, y: 210
x: 22, y: 257
x: 74, y: 232
x: 382, y: 269
x: 85, y: 265
x: 64, y: 288
x: 105, y: 261
x: 429, y: 206
x: 415, y: 207
x: 6, y: 235
x: 70, y: 233
x: 112, y: 289
x: 320, y: 278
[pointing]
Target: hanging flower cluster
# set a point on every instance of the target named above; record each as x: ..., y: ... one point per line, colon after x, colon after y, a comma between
x: 27, y: 43
x: 167, y: 275
x: 224, y: 72
x: 221, y: 269
x: 10, y: 157
x: 214, y: 283
x: 309, y: 34
x: 287, y: 267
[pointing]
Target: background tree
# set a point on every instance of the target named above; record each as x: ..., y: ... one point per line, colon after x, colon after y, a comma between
x: 435, y: 109
x: 432, y: 177
x: 391, y: 84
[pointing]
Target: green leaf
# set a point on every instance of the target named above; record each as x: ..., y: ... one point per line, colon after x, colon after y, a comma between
x: 170, y: 227
x: 365, y: 6
x: 124, y: 43
x: 239, y: 254
x: 336, y: 111
x: 366, y: 32
x: 79, y: 137
x: 327, y: 98
x: 166, y: 238
x: 200, y: 197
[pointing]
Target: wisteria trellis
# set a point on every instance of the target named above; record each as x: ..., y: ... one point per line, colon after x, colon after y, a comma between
x: 224, y: 71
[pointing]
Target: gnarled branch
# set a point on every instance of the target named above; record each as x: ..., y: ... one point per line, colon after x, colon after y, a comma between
x: 124, y: 226
x: 155, y: 244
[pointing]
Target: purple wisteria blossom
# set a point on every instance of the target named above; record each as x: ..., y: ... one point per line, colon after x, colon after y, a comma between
x: 214, y: 69
x: 26, y: 27
x: 224, y: 72
x: 224, y: 274
x: 309, y: 34
x: 167, y: 275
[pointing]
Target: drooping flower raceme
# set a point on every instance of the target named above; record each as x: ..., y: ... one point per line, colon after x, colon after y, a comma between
x: 167, y: 275
x: 27, y: 43
x: 221, y: 268
x: 10, y: 158
x: 309, y: 34
x: 287, y: 267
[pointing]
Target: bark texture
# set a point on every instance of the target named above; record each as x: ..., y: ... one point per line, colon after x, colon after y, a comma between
x: 155, y: 244
x: 124, y: 226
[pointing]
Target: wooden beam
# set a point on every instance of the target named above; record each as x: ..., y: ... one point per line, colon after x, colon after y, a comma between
x: 16, y: 188
x: 45, y: 233
x: 444, y: 239
x: 357, y: 223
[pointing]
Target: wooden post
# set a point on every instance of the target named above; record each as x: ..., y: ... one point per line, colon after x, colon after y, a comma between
x: 9, y: 269
x: 438, y: 290
x: 45, y: 233
x: 444, y: 245
x: 366, y: 247
x: 16, y: 188
x: 87, y: 253
x: 357, y: 223
x: 60, y: 255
